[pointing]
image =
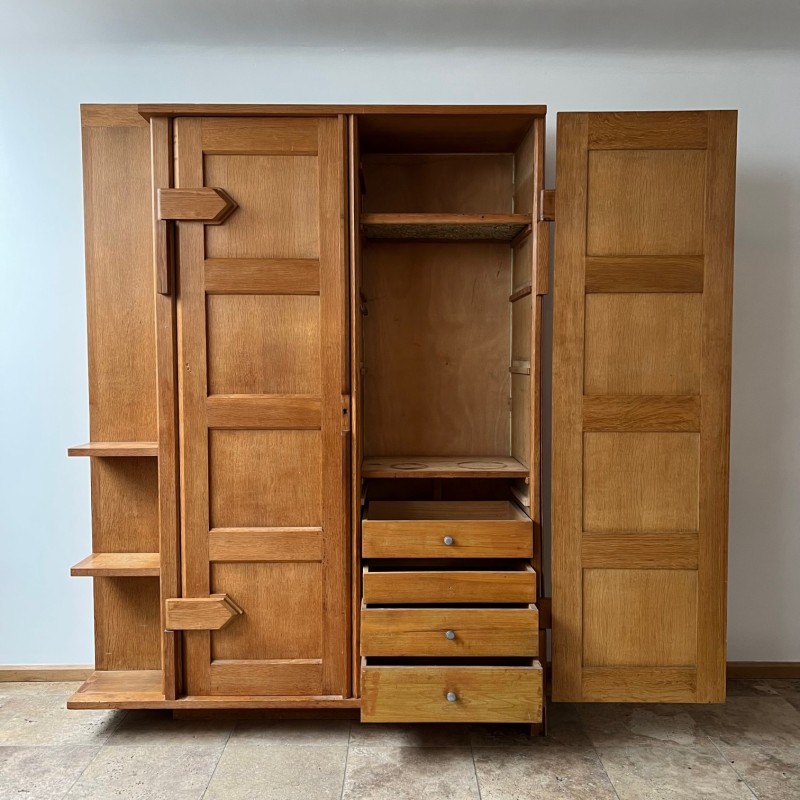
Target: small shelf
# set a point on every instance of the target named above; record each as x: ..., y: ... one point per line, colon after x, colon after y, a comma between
x: 448, y: 227
x: 443, y: 467
x: 118, y: 565
x: 114, y: 449
x: 119, y: 689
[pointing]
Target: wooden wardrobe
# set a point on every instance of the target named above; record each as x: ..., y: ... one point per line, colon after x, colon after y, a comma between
x: 315, y: 407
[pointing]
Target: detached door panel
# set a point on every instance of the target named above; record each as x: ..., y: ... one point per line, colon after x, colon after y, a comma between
x: 262, y: 337
x: 641, y: 396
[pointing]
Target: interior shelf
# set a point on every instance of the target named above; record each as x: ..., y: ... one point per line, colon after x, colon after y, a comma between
x: 114, y: 449
x: 126, y: 687
x: 443, y: 467
x: 455, y: 227
x: 119, y: 565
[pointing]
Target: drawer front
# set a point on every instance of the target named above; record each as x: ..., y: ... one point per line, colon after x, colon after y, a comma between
x: 446, y: 539
x: 450, y: 586
x: 450, y: 632
x: 451, y: 694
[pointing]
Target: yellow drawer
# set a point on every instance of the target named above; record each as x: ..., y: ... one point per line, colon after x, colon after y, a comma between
x: 450, y: 631
x: 446, y: 529
x: 451, y: 694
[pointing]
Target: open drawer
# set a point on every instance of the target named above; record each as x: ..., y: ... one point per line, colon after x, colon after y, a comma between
x: 464, y: 693
x: 413, y: 586
x: 450, y: 631
x: 446, y: 529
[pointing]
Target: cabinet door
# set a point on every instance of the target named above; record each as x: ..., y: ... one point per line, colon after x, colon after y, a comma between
x: 641, y: 398
x: 262, y: 371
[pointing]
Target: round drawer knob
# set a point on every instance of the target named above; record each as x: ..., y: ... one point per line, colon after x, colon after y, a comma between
x: 452, y: 697
x: 450, y: 635
x: 448, y: 540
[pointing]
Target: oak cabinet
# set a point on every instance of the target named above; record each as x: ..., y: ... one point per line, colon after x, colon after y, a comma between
x: 315, y: 386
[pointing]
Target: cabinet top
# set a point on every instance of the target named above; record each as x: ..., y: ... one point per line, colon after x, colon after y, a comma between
x: 226, y: 110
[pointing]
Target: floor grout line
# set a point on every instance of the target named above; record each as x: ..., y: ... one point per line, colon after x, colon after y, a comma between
x: 219, y: 758
x: 474, y: 765
x: 603, y: 767
x: 346, y: 759
x: 728, y: 762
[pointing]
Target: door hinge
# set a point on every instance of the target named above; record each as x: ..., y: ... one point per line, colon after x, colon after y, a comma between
x: 547, y: 205
x: 345, y: 413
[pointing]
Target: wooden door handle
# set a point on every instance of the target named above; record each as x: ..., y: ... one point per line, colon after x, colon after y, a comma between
x: 200, y: 613
x: 207, y: 205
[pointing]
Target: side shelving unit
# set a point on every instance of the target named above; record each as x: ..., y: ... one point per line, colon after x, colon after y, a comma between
x: 125, y: 561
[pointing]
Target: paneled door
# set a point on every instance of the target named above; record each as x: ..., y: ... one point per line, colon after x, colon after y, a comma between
x: 263, y: 374
x: 641, y: 405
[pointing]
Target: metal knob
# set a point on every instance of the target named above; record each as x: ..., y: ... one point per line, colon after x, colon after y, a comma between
x: 450, y: 635
x: 452, y: 697
x: 448, y: 540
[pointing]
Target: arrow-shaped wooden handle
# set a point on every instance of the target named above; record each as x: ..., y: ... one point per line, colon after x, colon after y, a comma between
x: 200, y: 613
x: 207, y: 205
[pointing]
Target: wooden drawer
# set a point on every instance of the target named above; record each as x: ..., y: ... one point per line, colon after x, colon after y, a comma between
x: 449, y: 586
x: 446, y: 529
x: 476, y: 694
x: 450, y: 631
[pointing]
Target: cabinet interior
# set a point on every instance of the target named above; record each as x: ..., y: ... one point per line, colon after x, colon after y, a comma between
x: 445, y: 337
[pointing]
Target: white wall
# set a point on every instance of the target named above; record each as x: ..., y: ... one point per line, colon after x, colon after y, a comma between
x: 44, y: 498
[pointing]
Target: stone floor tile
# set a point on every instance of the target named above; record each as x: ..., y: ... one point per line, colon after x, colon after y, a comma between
x: 41, y: 773
x: 672, y: 772
x: 410, y: 773
x: 434, y: 734
x: 750, y: 688
x: 759, y: 721
x: 564, y: 727
x: 617, y: 724
x: 147, y: 773
x: 158, y: 727
x: 254, y: 772
x: 28, y: 719
x: 789, y: 689
x: 308, y: 732
x: 559, y: 772
x: 773, y: 773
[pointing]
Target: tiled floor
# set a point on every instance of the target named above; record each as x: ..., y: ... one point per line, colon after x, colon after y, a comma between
x: 747, y: 748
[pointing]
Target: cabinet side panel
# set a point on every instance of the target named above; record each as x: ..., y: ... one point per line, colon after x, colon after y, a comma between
x: 119, y: 283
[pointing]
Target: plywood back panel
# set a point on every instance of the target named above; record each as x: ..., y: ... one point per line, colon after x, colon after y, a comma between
x: 436, y: 348
x: 439, y: 183
x: 641, y: 396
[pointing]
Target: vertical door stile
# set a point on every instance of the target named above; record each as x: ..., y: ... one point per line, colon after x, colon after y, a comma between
x: 168, y: 475
x: 192, y: 383
x: 335, y: 362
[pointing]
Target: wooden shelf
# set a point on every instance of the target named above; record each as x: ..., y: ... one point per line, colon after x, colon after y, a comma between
x: 443, y: 467
x: 118, y: 565
x: 114, y: 449
x: 447, y: 227
x: 137, y: 688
